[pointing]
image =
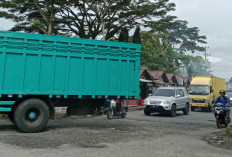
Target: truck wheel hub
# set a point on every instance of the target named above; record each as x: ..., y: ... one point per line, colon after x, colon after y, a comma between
x: 32, y: 115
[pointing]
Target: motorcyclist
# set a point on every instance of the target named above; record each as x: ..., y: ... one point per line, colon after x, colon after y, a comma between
x: 223, y: 100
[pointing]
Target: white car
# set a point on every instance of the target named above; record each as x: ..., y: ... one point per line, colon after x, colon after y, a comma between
x: 167, y: 100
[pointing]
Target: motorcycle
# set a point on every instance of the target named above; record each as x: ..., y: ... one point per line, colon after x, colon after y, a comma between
x: 220, y: 115
x: 116, y: 109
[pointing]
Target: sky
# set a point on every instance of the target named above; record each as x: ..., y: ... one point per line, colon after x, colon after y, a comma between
x: 213, y: 18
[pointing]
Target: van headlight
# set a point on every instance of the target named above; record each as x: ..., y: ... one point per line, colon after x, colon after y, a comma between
x: 167, y: 102
x: 146, y: 102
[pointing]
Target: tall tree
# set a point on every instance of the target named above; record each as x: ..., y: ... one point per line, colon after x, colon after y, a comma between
x: 159, y: 55
x: 38, y: 16
x: 105, y: 18
x: 136, y: 36
x: 177, y: 33
x: 124, y: 35
x: 193, y: 66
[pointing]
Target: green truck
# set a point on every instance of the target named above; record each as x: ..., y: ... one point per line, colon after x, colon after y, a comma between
x: 40, y: 72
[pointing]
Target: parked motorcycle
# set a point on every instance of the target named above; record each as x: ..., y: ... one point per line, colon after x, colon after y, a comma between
x: 116, y: 109
x: 220, y: 115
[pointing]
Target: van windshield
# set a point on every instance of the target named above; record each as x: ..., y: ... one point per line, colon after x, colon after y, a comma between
x: 164, y: 92
x: 199, y: 90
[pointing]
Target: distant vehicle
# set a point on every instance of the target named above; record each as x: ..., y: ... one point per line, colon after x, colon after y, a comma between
x: 204, y: 90
x: 229, y: 95
x: 167, y: 100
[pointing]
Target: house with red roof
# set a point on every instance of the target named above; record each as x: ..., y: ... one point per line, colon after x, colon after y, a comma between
x: 172, y: 79
x: 186, y: 81
x: 160, y: 78
x: 146, y: 82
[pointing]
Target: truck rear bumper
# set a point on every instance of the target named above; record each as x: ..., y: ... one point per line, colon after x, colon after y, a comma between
x: 199, y: 104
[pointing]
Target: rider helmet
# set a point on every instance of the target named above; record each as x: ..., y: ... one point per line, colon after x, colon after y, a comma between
x: 222, y: 91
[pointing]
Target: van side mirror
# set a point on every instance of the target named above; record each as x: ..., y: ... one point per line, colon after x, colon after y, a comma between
x: 150, y: 94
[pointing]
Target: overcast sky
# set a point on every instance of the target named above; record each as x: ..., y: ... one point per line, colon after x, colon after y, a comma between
x: 213, y: 17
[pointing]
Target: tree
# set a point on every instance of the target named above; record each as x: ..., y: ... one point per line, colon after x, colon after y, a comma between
x: 155, y: 54
x: 193, y: 66
x: 158, y: 55
x: 38, y: 16
x: 176, y: 33
x: 124, y: 35
x: 105, y: 18
x: 136, y: 36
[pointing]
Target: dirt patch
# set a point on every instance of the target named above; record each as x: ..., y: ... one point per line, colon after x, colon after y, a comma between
x: 222, y: 139
x: 83, y: 135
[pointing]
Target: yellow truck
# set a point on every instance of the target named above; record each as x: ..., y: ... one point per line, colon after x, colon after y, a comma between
x: 204, y: 90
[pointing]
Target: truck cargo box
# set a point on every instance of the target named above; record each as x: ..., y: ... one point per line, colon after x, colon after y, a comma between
x: 32, y: 64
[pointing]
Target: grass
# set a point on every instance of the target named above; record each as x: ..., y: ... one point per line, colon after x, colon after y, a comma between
x: 228, y: 132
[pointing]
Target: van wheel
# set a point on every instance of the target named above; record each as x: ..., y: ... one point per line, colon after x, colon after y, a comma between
x: 147, y: 112
x: 193, y: 108
x: 186, y: 109
x: 31, y: 115
x: 173, y: 111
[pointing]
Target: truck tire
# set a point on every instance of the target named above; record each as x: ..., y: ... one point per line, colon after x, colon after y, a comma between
x: 173, y: 111
x: 193, y: 108
x: 31, y: 115
x: 186, y: 110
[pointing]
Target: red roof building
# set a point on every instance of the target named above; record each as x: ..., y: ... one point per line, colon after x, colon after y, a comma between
x: 146, y: 82
x: 172, y: 79
x: 180, y: 80
x: 160, y: 78
x: 186, y: 81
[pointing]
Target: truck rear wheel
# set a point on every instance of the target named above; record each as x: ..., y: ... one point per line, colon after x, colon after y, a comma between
x: 31, y: 115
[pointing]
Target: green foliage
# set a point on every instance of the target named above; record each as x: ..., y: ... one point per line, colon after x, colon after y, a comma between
x: 163, y: 47
x: 193, y: 66
x: 159, y: 55
x: 94, y: 18
x: 124, y: 35
x: 137, y: 36
x: 39, y: 16
x: 176, y: 33
x: 155, y: 54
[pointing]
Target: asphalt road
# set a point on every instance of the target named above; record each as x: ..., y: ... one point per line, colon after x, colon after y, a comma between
x: 137, y: 135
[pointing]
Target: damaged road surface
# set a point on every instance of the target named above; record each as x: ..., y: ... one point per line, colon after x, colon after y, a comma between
x: 137, y: 135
